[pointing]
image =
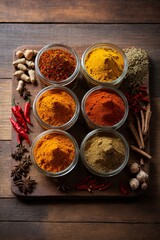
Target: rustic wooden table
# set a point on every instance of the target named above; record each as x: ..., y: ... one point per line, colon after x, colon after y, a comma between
x: 79, y: 24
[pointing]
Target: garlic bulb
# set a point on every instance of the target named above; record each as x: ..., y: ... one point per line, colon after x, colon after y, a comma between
x: 134, y: 183
x: 142, y: 176
x: 144, y: 186
x: 134, y: 168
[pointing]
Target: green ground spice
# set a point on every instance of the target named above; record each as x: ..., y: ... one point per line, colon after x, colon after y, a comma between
x: 104, y: 153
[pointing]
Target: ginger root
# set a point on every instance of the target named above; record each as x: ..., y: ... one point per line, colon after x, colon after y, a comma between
x: 24, y: 68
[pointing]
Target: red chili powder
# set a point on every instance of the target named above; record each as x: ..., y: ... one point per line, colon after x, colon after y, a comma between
x: 104, y: 108
x: 57, y: 64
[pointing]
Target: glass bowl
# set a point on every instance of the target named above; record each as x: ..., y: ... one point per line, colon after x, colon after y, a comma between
x: 60, y: 111
x: 56, y: 165
x: 100, y: 111
x: 57, y: 64
x: 100, y: 67
x: 104, y: 153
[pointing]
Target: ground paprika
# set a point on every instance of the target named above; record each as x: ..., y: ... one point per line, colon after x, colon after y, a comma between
x: 104, y: 108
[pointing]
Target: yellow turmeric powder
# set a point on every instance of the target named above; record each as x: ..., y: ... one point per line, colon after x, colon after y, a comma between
x: 54, y: 152
x: 104, y: 65
x: 56, y: 107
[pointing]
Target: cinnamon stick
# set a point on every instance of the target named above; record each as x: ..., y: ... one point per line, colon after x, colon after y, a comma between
x: 140, y: 131
x: 147, y: 119
x: 141, y: 152
x: 135, y: 134
x: 142, y: 120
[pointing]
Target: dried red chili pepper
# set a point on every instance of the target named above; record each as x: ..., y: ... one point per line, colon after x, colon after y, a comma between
x: 106, y: 186
x: 17, y: 111
x: 137, y: 99
x: 19, y: 138
x: 19, y: 130
x: 27, y: 111
x: 123, y: 189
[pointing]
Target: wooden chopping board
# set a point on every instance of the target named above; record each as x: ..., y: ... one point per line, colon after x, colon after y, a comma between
x: 46, y: 186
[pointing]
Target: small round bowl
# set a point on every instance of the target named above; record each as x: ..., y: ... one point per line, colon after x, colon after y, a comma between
x: 102, y: 105
x: 93, y: 80
x: 96, y: 153
x: 49, y: 136
x: 72, y: 74
x: 66, y: 122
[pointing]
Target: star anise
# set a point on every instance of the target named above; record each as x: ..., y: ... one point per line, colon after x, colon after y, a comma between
x: 25, y: 184
x: 26, y: 161
x: 21, y: 167
x: 25, y: 94
x: 15, y: 173
x: 21, y: 149
x: 62, y: 186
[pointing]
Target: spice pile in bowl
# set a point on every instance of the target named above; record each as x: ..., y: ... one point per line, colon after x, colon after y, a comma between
x: 54, y: 153
x: 56, y: 107
x: 57, y: 64
x: 104, y: 152
x: 104, y: 107
x: 104, y: 64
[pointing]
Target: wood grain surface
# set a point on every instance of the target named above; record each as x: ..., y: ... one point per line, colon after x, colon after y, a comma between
x: 79, y: 24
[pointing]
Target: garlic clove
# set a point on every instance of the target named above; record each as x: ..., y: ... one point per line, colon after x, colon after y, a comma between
x: 134, y: 183
x: 134, y: 168
x: 144, y: 186
x: 142, y: 176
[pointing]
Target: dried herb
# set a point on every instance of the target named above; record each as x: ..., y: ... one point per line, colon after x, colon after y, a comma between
x: 25, y: 184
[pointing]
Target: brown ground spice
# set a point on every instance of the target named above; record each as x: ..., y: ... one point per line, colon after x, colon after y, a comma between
x: 104, y: 153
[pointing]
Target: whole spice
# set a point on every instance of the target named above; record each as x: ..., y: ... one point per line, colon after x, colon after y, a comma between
x: 17, y: 111
x: 19, y: 130
x: 134, y: 168
x: 123, y: 189
x: 104, y: 65
x: 137, y: 67
x: 27, y: 111
x: 144, y: 186
x: 25, y: 184
x: 104, y: 108
x: 56, y: 107
x: 21, y: 169
x: 20, y: 86
x: 57, y: 64
x: 143, y: 153
x: 90, y: 183
x: 54, y: 152
x: 142, y: 176
x: 135, y: 134
x: 134, y: 183
x: 137, y: 99
x: 20, y: 150
x: 104, y: 153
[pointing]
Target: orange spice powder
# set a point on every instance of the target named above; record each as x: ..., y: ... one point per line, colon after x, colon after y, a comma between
x: 54, y: 152
x: 104, y: 108
x: 56, y: 107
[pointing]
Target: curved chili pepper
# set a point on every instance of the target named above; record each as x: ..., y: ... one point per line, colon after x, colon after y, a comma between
x: 17, y: 111
x: 20, y: 130
x: 27, y: 111
x: 19, y: 138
